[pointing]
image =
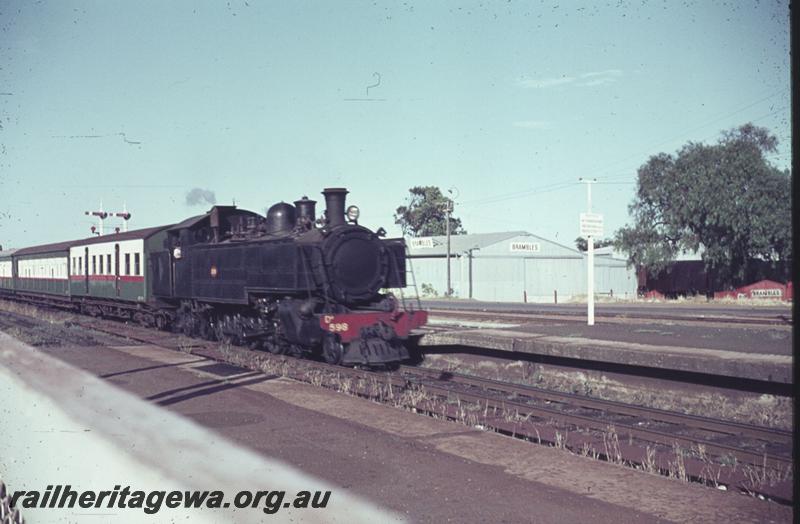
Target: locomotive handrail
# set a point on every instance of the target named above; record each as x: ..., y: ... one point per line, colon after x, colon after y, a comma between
x: 413, y: 276
x: 308, y: 270
x: 396, y: 267
x: 326, y: 284
x: 393, y: 262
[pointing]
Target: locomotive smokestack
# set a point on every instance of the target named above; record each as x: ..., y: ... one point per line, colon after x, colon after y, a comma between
x: 334, y: 205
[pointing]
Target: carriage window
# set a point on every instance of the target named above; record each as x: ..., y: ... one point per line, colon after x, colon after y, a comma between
x: 80, y: 264
x: 94, y: 264
x: 108, y: 264
x: 136, y: 266
x: 101, y: 264
x: 127, y: 263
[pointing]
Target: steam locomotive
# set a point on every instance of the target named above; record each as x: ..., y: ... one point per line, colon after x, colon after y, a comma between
x: 286, y: 283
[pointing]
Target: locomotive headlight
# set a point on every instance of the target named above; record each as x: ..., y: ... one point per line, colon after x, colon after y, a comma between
x: 353, y: 213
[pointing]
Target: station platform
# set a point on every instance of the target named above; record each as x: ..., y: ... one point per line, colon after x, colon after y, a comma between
x: 739, y: 351
x: 61, y: 426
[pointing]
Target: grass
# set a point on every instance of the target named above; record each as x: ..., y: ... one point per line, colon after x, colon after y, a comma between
x: 677, y: 467
x: 765, y: 410
x: 185, y: 345
x: 613, y: 452
x: 561, y: 440
x: 760, y: 475
x: 649, y: 464
x: 28, y: 310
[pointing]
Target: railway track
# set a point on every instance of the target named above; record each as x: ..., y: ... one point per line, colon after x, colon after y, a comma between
x: 753, y: 443
x: 754, y: 459
x: 621, y: 432
x: 625, y: 317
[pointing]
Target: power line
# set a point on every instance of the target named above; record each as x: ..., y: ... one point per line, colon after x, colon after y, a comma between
x: 709, y: 137
x: 519, y: 194
x: 706, y: 124
x: 503, y: 195
x: 616, y: 179
x: 124, y: 186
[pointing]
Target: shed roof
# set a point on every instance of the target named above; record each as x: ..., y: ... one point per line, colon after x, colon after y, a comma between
x: 437, y: 245
x: 610, y: 252
x: 683, y: 256
x: 65, y: 246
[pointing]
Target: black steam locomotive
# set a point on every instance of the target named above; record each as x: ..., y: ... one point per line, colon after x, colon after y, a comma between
x: 288, y: 283
x: 285, y: 283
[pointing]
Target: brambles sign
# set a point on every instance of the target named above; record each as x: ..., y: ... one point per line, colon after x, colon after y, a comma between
x: 525, y: 247
x: 421, y: 243
x: 766, y: 293
x: 764, y: 289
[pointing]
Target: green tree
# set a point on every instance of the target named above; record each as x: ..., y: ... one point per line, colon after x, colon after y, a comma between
x: 425, y: 214
x: 726, y: 198
x: 582, y: 245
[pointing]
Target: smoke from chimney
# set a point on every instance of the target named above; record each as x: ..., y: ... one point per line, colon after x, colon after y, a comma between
x: 199, y: 196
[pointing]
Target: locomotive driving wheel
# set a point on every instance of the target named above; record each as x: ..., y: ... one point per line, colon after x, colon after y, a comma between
x: 205, y: 329
x: 162, y: 322
x: 275, y: 346
x: 186, y: 323
x: 332, y: 350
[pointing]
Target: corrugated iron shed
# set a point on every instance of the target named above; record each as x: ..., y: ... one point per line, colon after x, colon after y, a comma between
x: 513, y: 266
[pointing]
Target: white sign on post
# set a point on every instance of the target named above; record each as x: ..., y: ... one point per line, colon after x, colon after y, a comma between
x: 591, y: 228
x: 591, y: 225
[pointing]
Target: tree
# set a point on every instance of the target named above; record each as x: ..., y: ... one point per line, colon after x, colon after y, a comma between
x: 426, y: 213
x: 726, y: 198
x: 582, y: 245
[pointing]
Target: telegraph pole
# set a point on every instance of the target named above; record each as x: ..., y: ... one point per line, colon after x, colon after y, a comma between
x: 448, y: 210
x: 591, y: 225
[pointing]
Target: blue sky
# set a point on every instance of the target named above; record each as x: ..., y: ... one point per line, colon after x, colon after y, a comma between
x: 506, y: 103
